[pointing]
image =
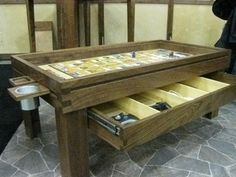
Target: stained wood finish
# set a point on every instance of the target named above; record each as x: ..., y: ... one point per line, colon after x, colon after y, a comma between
x: 101, y: 32
x: 18, y: 97
x: 87, y: 22
x: 72, y: 139
x: 170, y: 19
x: 31, y: 24
x: 85, y: 52
x: 160, y: 123
x: 223, y: 77
x: 17, y: 81
x: 32, y: 123
x: 71, y: 97
x: 131, y: 19
x: 29, y: 62
x: 177, y: 117
x: 67, y: 23
x: 79, y: 98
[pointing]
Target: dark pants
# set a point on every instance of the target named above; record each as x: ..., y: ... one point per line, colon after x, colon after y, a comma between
x: 232, y: 67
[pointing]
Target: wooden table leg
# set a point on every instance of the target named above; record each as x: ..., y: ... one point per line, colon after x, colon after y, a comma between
x: 212, y: 114
x: 32, y: 122
x: 73, y: 144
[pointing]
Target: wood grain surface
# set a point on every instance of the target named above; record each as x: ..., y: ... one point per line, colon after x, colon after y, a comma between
x: 155, y: 125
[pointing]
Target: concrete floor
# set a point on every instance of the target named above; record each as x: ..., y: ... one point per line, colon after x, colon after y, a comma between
x: 202, y: 148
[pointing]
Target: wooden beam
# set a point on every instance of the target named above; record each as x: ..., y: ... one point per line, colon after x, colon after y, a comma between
x: 23, y: 1
x: 87, y: 25
x: 31, y: 25
x: 43, y: 26
x: 190, y: 2
x: 101, y: 22
x: 79, y: 6
x: 67, y: 21
x: 7, y: 56
x: 170, y: 19
x: 131, y: 19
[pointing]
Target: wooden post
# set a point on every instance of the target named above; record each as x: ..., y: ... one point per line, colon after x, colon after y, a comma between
x: 72, y: 139
x: 101, y: 22
x: 79, y: 5
x: 31, y: 122
x: 131, y: 19
x: 170, y: 19
x: 67, y: 23
x: 87, y: 23
x: 31, y: 25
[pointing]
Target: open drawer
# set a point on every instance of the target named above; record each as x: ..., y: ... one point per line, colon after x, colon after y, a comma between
x: 183, y: 102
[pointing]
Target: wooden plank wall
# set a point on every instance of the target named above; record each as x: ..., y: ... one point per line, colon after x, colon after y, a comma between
x: 68, y: 25
x: 193, y: 2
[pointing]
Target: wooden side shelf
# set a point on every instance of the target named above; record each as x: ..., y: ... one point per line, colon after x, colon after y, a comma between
x: 22, y: 92
x: 18, y: 81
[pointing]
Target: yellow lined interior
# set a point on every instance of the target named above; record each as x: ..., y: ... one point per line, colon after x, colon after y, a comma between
x: 109, y: 109
x: 136, y: 108
x: 174, y: 94
x: 125, y: 105
x: 161, y: 95
x: 205, y: 84
x: 145, y: 100
x: 184, y: 91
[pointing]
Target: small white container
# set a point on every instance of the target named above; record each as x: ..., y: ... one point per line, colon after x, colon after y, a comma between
x: 29, y: 103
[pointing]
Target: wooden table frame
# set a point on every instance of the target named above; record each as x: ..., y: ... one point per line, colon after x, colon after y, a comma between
x: 72, y: 97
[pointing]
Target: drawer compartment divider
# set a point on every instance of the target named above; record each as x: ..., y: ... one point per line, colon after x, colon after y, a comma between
x: 207, y: 96
x: 205, y: 84
x: 184, y: 91
x: 162, y: 95
x: 136, y: 108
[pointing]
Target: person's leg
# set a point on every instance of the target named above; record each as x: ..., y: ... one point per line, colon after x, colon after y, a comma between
x: 232, y: 67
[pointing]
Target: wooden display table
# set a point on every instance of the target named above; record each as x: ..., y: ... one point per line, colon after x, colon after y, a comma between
x: 90, y: 86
